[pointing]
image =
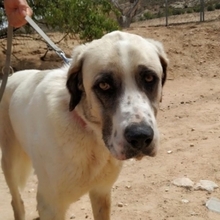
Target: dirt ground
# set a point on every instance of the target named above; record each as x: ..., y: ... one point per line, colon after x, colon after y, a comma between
x: 189, y: 123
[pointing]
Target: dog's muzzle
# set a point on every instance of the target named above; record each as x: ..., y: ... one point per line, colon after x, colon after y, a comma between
x: 139, y: 138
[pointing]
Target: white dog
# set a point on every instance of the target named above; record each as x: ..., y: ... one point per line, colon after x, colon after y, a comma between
x: 76, y: 124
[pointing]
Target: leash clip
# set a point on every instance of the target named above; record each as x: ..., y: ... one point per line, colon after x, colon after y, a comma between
x: 7, y: 70
x: 59, y: 52
x: 62, y: 55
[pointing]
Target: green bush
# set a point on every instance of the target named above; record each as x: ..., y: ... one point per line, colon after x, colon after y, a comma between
x: 217, y: 6
x: 141, y: 18
x: 170, y: 11
x: 87, y: 19
x: 189, y: 10
x: 148, y: 15
x: 178, y: 11
x: 197, y: 9
x: 210, y: 8
x: 160, y: 14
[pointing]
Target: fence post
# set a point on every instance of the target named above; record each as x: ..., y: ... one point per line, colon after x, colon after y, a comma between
x: 202, y: 11
x: 166, y: 9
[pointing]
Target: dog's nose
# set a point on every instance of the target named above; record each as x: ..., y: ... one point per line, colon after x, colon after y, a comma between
x: 139, y: 135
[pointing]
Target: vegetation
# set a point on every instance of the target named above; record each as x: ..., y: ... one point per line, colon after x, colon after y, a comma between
x: 217, y: 6
x: 2, y: 17
x: 178, y: 11
x: 189, y: 10
x: 89, y: 19
x: 197, y: 9
x: 148, y: 15
x: 210, y: 8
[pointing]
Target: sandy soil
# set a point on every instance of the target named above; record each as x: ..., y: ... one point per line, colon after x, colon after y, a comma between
x: 189, y: 123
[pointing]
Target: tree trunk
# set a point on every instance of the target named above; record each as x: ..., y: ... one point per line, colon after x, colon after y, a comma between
x: 124, y: 21
x: 127, y: 14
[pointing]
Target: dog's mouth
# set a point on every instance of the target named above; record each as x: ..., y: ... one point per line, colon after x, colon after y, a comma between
x: 141, y: 155
x: 131, y: 153
x: 151, y: 152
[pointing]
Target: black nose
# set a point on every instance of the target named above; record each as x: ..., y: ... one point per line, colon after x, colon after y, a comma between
x: 139, y: 135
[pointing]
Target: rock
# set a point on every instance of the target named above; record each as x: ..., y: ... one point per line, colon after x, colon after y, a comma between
x: 183, y: 182
x: 169, y: 151
x: 185, y: 201
x: 213, y: 204
x: 206, y: 185
x: 194, y: 214
x: 120, y: 204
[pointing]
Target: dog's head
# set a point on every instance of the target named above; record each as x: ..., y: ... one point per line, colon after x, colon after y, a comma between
x: 116, y: 83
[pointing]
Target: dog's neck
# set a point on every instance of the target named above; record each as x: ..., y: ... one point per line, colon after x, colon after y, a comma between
x: 79, y: 119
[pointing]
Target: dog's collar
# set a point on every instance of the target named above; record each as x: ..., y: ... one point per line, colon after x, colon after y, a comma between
x: 79, y: 119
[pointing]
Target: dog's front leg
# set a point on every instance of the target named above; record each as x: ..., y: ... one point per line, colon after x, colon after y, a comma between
x: 101, y: 203
x: 50, y: 204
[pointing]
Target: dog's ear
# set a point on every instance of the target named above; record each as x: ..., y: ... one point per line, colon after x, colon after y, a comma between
x: 163, y: 58
x: 74, y: 78
x: 164, y: 63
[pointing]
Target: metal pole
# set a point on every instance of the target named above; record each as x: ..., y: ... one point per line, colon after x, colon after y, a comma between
x: 202, y: 11
x: 166, y: 9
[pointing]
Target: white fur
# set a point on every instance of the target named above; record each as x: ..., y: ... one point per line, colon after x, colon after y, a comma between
x: 69, y: 157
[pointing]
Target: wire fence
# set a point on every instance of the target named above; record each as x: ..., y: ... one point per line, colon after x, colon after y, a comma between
x: 174, y: 12
x: 183, y: 19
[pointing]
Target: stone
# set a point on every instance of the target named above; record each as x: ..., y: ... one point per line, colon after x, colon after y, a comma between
x: 185, y: 201
x: 183, y: 182
x: 213, y: 204
x: 120, y: 204
x: 206, y: 185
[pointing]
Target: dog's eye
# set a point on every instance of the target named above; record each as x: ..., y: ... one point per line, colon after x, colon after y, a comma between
x: 104, y: 86
x: 149, y: 78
